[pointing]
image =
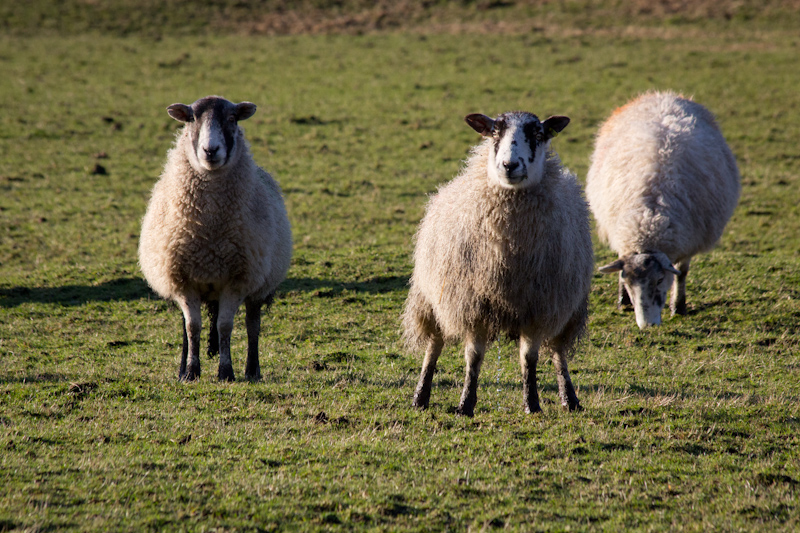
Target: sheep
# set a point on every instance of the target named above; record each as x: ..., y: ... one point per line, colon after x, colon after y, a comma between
x: 216, y: 231
x: 505, y: 247
x: 662, y: 185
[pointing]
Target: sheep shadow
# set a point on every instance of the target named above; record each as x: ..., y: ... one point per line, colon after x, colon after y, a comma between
x: 120, y: 289
x: 330, y: 287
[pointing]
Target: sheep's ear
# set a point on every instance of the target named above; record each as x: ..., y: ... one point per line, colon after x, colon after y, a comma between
x: 480, y: 123
x: 554, y: 125
x: 245, y: 110
x: 667, y: 265
x: 181, y: 112
x: 610, y: 268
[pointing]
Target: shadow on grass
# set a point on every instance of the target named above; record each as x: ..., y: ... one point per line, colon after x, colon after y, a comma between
x: 332, y: 287
x: 127, y: 289
x: 45, y: 377
x: 121, y: 289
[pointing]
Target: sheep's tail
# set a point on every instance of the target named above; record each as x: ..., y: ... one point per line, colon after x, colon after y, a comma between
x: 419, y: 324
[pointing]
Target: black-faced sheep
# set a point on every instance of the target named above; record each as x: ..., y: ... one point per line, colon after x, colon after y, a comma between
x: 662, y: 186
x: 505, y: 247
x: 215, y: 232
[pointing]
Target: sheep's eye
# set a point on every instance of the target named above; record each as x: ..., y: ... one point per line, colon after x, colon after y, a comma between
x: 232, y: 119
x: 661, y: 280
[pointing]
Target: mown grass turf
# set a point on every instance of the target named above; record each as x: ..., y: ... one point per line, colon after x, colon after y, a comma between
x: 690, y: 426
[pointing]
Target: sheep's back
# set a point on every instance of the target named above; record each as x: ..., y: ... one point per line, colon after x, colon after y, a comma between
x: 504, y: 259
x: 662, y: 178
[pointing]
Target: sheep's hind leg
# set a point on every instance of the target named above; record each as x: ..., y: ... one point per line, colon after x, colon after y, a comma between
x: 252, y: 369
x: 184, y: 349
x: 228, y: 305
x: 561, y: 346
x: 473, y: 355
x: 190, y: 353
x: 678, y: 301
x: 565, y: 389
x: 528, y: 359
x: 213, y: 334
x: 422, y: 394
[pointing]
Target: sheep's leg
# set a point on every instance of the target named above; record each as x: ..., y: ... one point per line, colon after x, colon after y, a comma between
x: 678, y: 301
x: 528, y: 358
x: 213, y: 335
x: 192, y: 323
x: 623, y: 298
x: 562, y: 346
x: 252, y: 369
x: 422, y: 394
x: 228, y: 305
x: 184, y: 349
x: 565, y: 389
x: 473, y: 355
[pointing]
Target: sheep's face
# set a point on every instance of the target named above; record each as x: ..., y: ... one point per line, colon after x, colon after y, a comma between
x: 212, y: 124
x: 646, y: 278
x: 519, y: 146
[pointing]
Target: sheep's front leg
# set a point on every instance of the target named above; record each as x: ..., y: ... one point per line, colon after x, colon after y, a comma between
x: 623, y: 298
x: 252, y: 369
x: 192, y: 323
x: 422, y: 394
x: 213, y: 335
x: 678, y: 301
x: 565, y: 389
x: 528, y: 359
x: 228, y: 305
x: 473, y: 355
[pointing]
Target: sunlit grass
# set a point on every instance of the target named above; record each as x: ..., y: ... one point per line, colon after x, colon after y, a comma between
x: 690, y: 426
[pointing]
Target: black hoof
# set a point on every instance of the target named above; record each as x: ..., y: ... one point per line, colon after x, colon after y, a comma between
x: 191, y: 375
x: 572, y: 407
x: 465, y: 411
x: 225, y: 374
x: 420, y: 401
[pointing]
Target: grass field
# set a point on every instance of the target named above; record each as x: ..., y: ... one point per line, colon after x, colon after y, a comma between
x: 691, y: 426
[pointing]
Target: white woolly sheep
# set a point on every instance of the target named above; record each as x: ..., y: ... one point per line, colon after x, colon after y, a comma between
x: 505, y: 247
x: 215, y: 232
x: 662, y: 186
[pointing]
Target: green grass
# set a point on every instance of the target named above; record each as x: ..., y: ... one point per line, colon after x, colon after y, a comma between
x: 690, y: 426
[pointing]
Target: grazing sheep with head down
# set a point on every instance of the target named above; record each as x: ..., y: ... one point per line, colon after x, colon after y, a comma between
x: 215, y: 232
x: 505, y: 247
x: 662, y: 185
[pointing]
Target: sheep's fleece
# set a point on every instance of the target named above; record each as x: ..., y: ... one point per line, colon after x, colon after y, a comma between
x: 201, y: 231
x: 499, y: 258
x: 662, y: 178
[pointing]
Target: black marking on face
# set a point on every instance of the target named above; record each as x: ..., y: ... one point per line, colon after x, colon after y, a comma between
x: 657, y: 301
x: 500, y: 125
x: 534, y: 135
x: 223, y: 113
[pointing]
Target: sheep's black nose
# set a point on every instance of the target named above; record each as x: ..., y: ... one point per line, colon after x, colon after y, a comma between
x: 211, y: 151
x: 510, y: 166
